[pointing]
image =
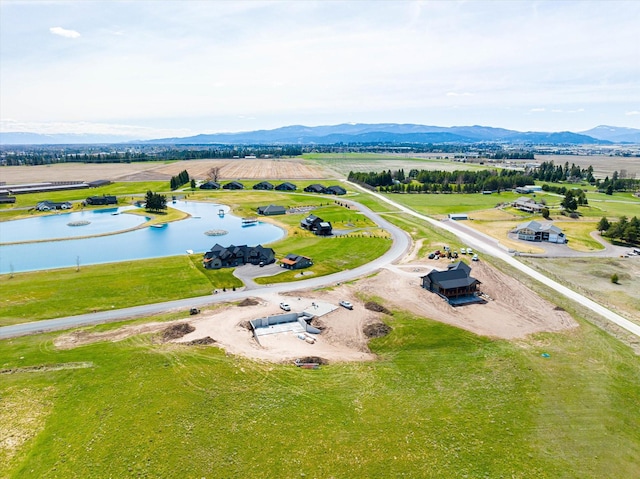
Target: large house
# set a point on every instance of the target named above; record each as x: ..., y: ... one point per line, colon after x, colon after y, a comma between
x: 229, y: 256
x: 535, y: 231
x: 316, y: 225
x: 271, y: 210
x: 456, y: 284
x: 524, y: 203
x: 286, y: 186
x: 294, y: 261
x: 53, y: 205
x: 102, y: 200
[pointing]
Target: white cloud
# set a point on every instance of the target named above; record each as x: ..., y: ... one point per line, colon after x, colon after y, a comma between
x: 632, y: 113
x: 453, y: 93
x: 537, y: 109
x: 63, y: 32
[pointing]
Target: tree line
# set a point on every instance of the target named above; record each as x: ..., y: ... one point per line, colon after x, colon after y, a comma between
x: 439, y: 181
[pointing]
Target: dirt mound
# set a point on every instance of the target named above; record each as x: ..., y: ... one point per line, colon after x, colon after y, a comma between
x: 311, y: 360
x: 176, y: 331
x: 201, y: 341
x: 248, y: 302
x: 245, y: 325
x: 378, y: 308
x: 376, y: 330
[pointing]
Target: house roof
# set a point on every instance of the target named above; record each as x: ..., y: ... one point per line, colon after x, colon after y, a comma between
x: 457, y: 275
x: 315, y: 187
x: 537, y: 227
x: 271, y: 209
x: 263, y: 184
x: 336, y: 189
x: 286, y: 186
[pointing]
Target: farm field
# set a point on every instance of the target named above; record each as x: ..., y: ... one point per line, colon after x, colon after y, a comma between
x: 343, y: 163
x: 603, y: 165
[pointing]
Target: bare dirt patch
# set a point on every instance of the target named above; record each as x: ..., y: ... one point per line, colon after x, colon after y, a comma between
x: 512, y: 311
x: 176, y: 331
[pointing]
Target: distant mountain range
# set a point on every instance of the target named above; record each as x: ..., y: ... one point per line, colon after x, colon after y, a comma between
x: 387, y: 133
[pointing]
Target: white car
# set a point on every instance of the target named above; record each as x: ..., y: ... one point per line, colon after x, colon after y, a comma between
x: 469, y: 251
x: 463, y: 251
x: 346, y: 304
x: 475, y: 257
x: 285, y: 306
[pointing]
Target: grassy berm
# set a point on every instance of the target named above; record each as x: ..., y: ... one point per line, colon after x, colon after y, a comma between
x: 439, y: 403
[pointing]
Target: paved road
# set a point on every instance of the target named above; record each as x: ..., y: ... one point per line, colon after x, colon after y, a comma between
x: 399, y: 247
x: 485, y: 244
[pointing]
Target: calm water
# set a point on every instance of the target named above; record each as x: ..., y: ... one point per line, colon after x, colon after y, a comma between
x: 172, y: 239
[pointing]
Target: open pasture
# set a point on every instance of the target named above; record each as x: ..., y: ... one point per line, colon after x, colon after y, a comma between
x: 603, y: 165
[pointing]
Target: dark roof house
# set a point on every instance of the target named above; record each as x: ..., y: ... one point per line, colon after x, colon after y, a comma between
x: 286, y: 186
x: 335, y: 190
x: 210, y: 185
x: 233, y: 185
x: 263, y: 185
x: 102, y: 200
x: 456, y: 284
x: 294, y: 261
x: 271, y: 210
x: 315, y: 188
x: 229, y: 256
x: 317, y: 225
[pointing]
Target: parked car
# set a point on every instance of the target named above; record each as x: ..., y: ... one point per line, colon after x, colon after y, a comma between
x: 193, y: 311
x: 432, y: 255
x: 346, y: 304
x: 469, y: 251
x: 475, y: 257
x: 463, y: 251
x: 285, y: 306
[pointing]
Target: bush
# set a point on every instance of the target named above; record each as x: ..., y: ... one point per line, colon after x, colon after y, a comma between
x: 614, y: 278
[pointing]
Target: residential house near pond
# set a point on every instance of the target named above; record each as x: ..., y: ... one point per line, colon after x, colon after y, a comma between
x: 271, y: 210
x: 101, y: 200
x: 316, y: 225
x: 230, y: 256
x: 456, y: 284
x: 294, y: 261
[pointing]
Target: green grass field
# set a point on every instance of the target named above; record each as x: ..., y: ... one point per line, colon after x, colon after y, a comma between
x: 439, y: 402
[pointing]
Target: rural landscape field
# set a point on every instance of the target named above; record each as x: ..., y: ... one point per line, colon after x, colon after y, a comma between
x: 529, y: 384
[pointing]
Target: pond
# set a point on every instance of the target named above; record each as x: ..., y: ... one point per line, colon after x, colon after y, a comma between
x: 179, y: 237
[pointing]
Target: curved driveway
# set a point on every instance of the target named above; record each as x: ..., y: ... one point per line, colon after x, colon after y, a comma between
x: 399, y: 247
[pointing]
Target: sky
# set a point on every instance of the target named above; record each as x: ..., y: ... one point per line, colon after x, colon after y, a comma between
x: 150, y: 69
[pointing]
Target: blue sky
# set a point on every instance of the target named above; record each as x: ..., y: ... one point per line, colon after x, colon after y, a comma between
x: 163, y: 68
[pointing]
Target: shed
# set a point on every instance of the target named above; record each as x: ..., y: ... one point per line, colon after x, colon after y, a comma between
x: 458, y: 216
x: 271, y: 210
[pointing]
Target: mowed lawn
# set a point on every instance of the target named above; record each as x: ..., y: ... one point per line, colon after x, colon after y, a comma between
x: 439, y: 403
x: 32, y: 296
